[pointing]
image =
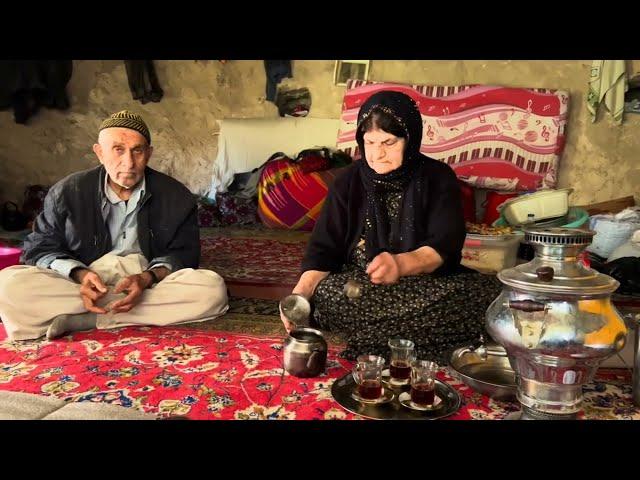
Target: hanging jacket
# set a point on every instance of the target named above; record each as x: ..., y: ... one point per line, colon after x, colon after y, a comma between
x: 28, y: 85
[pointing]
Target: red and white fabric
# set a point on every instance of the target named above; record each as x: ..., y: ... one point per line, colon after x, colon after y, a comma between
x: 501, y: 138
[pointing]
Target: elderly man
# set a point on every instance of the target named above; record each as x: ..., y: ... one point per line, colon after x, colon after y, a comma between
x: 116, y: 245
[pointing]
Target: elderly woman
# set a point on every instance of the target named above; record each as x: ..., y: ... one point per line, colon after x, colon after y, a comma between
x: 384, y: 257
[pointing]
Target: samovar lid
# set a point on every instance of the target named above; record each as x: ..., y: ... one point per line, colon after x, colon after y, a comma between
x: 556, y: 267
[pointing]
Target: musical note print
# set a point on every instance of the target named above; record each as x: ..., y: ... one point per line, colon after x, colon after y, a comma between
x: 430, y: 133
x: 529, y: 103
x: 545, y: 133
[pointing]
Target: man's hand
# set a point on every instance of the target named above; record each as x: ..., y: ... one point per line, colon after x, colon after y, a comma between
x: 383, y: 269
x: 91, y: 288
x: 133, y: 285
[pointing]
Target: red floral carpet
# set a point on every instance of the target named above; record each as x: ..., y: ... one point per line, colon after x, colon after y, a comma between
x: 253, y: 261
x: 218, y: 375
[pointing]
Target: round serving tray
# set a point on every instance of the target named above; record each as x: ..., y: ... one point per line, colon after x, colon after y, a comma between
x: 343, y: 388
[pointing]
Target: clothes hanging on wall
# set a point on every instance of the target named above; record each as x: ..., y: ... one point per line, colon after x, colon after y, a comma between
x: 293, y: 103
x: 143, y: 81
x: 27, y: 85
x: 609, y: 82
x: 276, y: 70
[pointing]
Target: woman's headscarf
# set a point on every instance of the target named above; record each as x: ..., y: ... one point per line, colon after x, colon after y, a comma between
x: 379, y: 226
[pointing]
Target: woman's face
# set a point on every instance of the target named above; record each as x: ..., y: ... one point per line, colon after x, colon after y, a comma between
x: 383, y: 150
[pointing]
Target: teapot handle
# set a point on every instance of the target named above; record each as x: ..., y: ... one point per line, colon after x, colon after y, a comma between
x: 313, y: 359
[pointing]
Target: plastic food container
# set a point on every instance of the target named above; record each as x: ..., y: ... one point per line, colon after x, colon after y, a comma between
x: 490, y: 253
x: 536, y: 206
x: 575, y: 218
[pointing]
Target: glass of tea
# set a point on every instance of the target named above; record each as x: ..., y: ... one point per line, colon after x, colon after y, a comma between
x: 367, y: 372
x: 423, y: 382
x: 402, y: 354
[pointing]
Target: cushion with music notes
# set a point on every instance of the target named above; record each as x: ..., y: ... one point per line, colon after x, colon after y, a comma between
x: 499, y: 138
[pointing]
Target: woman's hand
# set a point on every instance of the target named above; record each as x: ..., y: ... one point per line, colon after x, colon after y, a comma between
x: 422, y: 260
x: 384, y: 269
x: 288, y: 326
x: 307, y: 284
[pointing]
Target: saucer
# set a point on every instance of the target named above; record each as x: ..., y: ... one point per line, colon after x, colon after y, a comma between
x: 405, y: 401
x: 392, y: 382
x: 386, y: 397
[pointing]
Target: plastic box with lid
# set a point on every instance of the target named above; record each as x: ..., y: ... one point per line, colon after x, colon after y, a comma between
x: 490, y: 253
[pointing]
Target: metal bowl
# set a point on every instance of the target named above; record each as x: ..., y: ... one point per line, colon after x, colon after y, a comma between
x: 489, y: 373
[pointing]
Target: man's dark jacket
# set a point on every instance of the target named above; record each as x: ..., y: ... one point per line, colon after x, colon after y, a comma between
x: 72, y: 225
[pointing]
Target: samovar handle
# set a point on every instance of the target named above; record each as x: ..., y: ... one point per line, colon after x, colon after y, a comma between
x: 527, y: 305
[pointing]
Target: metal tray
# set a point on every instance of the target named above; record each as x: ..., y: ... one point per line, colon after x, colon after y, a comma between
x: 344, y: 386
x: 491, y: 375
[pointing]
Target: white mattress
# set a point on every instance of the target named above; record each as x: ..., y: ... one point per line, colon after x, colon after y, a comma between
x: 245, y: 144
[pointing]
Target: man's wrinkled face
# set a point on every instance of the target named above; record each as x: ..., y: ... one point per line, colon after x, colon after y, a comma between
x: 124, y: 154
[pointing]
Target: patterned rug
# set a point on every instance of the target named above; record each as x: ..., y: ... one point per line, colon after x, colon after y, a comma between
x: 255, y: 231
x: 253, y: 306
x: 221, y: 375
x: 246, y: 315
x: 253, y: 316
x: 253, y: 257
